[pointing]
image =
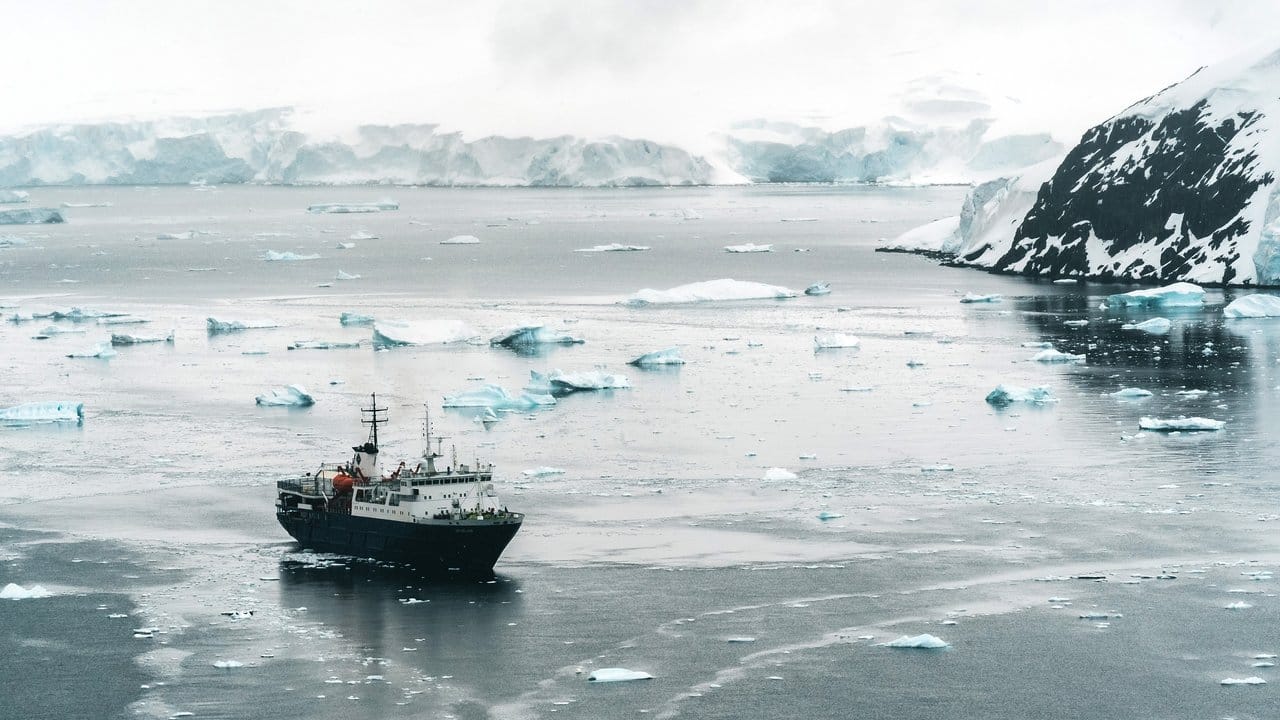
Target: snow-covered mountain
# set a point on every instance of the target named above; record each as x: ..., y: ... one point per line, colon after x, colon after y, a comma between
x: 263, y: 146
x: 1180, y: 186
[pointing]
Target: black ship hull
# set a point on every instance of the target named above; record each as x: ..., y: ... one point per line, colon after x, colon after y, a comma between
x: 446, y: 546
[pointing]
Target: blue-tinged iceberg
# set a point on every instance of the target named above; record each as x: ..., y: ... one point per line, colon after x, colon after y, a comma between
x: 1005, y: 395
x: 350, y: 318
x: 669, y: 356
x: 216, y: 326
x: 47, y: 411
x: 532, y: 336
x: 497, y: 398
x: 129, y: 339
x: 392, y: 333
x: 1180, y: 294
x: 818, y: 288
x: 30, y: 216
x: 287, y: 396
x: 710, y: 291
x: 13, y: 196
x: 559, y: 383
x: 1253, y: 306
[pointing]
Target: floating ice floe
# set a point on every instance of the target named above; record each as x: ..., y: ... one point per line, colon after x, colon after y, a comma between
x: 53, y: 330
x: 613, y: 247
x: 77, y: 314
x: 818, y: 288
x: 350, y: 318
x: 532, y: 336
x: 323, y: 345
x: 1008, y: 394
x: 361, y: 235
x: 187, y: 235
x: 542, y: 472
x: 287, y: 396
x: 47, y: 411
x: 14, y: 196
x: 345, y: 208
x: 1131, y: 393
x: 1239, y: 605
x: 227, y: 664
x: 826, y: 515
x: 835, y: 340
x: 617, y: 675
x: 1253, y: 306
x: 101, y: 351
x: 777, y: 473
x: 345, y: 276
x: 345, y: 245
x: 122, y: 320
x: 129, y: 339
x: 14, y: 591
x: 561, y: 383
x: 216, y: 326
x: 1049, y: 355
x: 974, y: 298
x: 669, y: 356
x: 11, y: 241
x: 1181, y: 424
x: 924, y: 642
x: 1254, y: 680
x: 748, y: 248
x: 439, y: 332
x: 1180, y: 294
x: 461, y: 240
x: 287, y: 256
x: 1154, y: 326
x: 30, y: 216
x: 496, y: 397
x: 740, y: 640
x: 710, y: 291
x: 1075, y: 323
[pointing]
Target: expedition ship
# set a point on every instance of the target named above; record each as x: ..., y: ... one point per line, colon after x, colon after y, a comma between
x: 446, y: 520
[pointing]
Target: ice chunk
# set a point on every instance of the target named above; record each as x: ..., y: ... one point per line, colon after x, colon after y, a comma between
x: 350, y: 318
x: 345, y: 276
x: 461, y: 240
x: 47, y: 411
x: 562, y: 383
x: 818, y: 288
x: 101, y: 351
x: 777, y: 473
x: 496, y: 397
x: 709, y: 291
x: 669, y: 356
x: 1154, y: 326
x: 532, y: 335
x: 323, y: 345
x: 1008, y: 394
x: 826, y: 515
x: 543, y: 471
x: 103, y: 204
x: 1180, y: 294
x: 617, y: 675
x: 361, y: 235
x: 973, y: 298
x: 287, y: 396
x: 939, y: 236
x: 11, y: 241
x: 1240, y: 605
x: 613, y: 247
x: 438, y: 332
x: 122, y: 320
x: 343, y: 208
x: 14, y: 196
x: 1131, y: 393
x: 1049, y: 355
x: 227, y: 664
x: 1255, y: 680
x: 835, y: 340
x: 1253, y: 306
x: 286, y: 256
x: 1183, y: 424
x: 177, y: 236
x: 748, y: 248
x: 14, y: 591
x: 128, y: 339
x: 51, y: 330
x: 216, y: 326
x: 924, y: 642
x: 30, y: 216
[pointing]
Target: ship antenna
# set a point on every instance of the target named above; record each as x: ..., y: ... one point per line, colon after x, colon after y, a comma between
x: 426, y: 434
x: 374, y: 421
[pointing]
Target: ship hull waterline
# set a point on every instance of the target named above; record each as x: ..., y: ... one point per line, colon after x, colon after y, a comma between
x: 446, y: 546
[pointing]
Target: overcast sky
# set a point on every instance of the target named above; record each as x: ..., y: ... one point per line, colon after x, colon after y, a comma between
x: 669, y: 70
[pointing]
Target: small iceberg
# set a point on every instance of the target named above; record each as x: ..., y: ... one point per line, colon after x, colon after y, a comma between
x: 826, y: 515
x: 1005, y: 395
x: 11, y: 241
x: 217, y: 327
x: 16, y: 196
x: 440, y: 332
x: 1181, y: 424
x: 710, y: 291
x: 613, y: 247
x: 323, y: 345
x: 1180, y: 294
x: 1154, y: 326
x: 1254, y: 680
x: 532, y: 336
x: 495, y: 397
x: 777, y: 473
x: 835, y: 340
x: 669, y: 356
x: 617, y: 675
x: 360, y: 235
x: 53, y: 330
x: 118, y: 339
x: 973, y: 298
x: 818, y: 288
x: 1049, y: 355
x: 101, y: 351
x: 286, y: 256
x: 14, y: 591
x: 924, y: 642
x: 227, y: 664
x: 345, y: 276
x: 345, y: 208
x: 542, y: 472
x: 48, y: 411
x: 350, y: 318
x: 1131, y: 393
x: 1253, y: 306
x: 748, y: 248
x: 30, y: 216
x: 461, y: 240
x: 560, y: 383
x: 287, y: 396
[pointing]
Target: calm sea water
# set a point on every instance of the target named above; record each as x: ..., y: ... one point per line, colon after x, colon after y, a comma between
x: 661, y: 547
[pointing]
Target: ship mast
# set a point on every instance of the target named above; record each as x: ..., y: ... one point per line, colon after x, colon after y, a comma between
x: 373, y: 422
x: 427, y: 453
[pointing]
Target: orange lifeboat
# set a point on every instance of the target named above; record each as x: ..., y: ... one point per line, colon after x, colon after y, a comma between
x: 342, y: 483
